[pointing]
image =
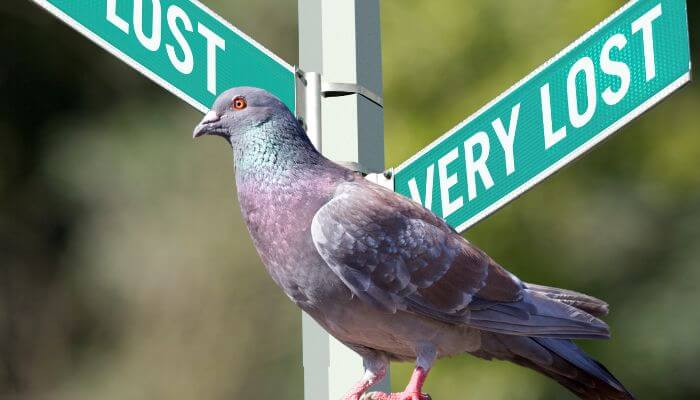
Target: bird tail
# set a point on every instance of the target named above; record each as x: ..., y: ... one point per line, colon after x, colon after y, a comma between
x: 590, y: 379
x: 559, y: 359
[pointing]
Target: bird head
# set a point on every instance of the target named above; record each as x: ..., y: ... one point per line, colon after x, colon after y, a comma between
x: 240, y: 110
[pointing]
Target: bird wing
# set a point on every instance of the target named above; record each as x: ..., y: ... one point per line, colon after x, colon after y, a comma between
x: 397, y: 255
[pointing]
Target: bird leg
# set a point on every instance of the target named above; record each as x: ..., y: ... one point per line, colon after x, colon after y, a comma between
x: 375, y: 371
x: 414, y: 389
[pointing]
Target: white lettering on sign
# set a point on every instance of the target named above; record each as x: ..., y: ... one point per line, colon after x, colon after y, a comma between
x: 114, y: 18
x: 446, y: 183
x: 213, y: 42
x: 644, y: 23
x: 186, y: 65
x: 616, y: 68
x: 508, y: 138
x: 153, y: 41
x: 474, y: 166
x: 413, y: 188
x: 477, y: 166
x: 550, y: 136
x: 585, y: 65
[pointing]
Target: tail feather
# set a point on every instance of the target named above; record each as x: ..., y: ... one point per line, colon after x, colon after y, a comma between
x: 537, y: 314
x: 559, y: 359
x: 571, y: 353
x: 584, y: 302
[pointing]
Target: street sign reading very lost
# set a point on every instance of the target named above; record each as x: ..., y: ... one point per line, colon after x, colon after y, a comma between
x: 608, y: 77
x: 180, y: 44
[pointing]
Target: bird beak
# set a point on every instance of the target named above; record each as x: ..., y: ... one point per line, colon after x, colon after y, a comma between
x: 205, y: 126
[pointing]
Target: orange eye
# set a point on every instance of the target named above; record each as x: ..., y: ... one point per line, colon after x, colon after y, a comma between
x: 239, y: 103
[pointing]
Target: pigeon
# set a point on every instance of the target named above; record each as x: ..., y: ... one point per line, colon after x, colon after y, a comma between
x: 386, y: 276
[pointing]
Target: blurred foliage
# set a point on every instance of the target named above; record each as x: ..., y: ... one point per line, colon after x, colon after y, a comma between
x: 126, y: 271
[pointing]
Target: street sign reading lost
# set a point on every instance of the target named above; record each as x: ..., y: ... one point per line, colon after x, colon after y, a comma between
x: 180, y: 44
x: 601, y: 82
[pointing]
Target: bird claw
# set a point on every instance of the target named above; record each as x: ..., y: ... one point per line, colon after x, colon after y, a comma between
x: 395, y: 396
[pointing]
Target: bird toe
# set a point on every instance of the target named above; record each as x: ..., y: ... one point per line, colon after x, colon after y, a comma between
x: 396, y: 396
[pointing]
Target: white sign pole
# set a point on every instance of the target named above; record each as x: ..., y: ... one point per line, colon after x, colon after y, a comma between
x: 340, y: 40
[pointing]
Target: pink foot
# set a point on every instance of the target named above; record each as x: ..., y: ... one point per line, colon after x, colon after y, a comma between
x: 396, y: 396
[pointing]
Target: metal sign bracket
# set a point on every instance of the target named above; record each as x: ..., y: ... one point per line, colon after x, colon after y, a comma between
x: 334, y: 89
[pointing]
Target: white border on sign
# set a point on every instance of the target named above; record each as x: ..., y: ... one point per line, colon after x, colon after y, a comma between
x: 576, y: 153
x: 570, y: 157
x: 142, y: 69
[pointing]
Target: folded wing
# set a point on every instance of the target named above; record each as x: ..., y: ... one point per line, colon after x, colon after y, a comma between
x: 397, y: 255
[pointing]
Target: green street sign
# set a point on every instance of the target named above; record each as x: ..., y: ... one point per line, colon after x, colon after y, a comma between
x: 608, y: 77
x: 180, y: 44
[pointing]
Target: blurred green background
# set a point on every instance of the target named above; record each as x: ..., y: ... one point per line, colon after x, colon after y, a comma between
x: 126, y: 271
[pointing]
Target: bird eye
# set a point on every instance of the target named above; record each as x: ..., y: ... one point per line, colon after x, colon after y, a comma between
x: 239, y: 103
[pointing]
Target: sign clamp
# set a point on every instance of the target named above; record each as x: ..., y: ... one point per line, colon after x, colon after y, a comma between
x: 334, y: 89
